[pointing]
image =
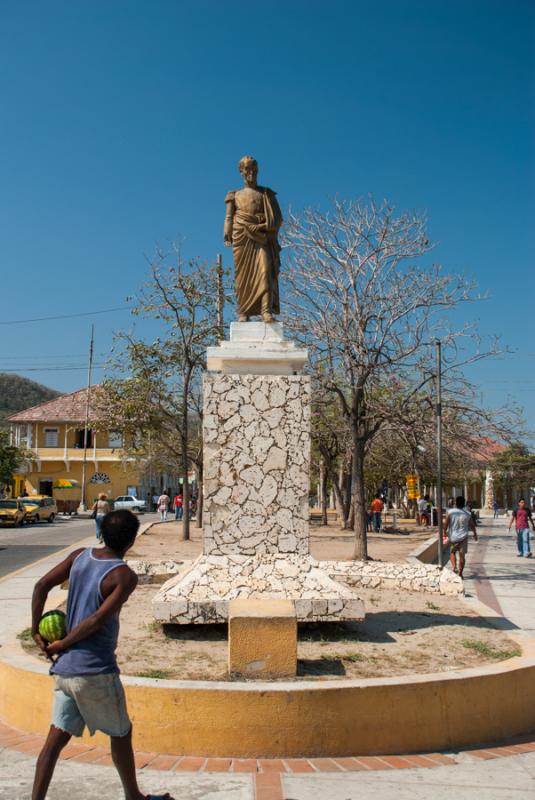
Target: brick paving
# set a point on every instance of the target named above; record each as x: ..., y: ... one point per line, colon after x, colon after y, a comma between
x: 30, y: 743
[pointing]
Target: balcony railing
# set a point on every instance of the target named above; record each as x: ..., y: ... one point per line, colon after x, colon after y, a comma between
x: 75, y: 453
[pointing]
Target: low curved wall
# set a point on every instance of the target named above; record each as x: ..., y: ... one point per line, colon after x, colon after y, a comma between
x: 323, y: 718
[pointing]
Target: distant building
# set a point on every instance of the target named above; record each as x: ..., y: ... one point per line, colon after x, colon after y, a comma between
x: 54, y: 434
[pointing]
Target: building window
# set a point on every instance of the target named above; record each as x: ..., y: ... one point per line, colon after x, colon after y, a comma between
x: 100, y: 477
x: 79, y: 439
x: 51, y: 437
x: 115, y: 439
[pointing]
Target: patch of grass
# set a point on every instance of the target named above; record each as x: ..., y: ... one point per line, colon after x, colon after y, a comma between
x: 490, y: 652
x: 25, y: 635
x: 328, y: 632
x: 154, y: 673
x: 153, y: 627
x: 432, y: 606
x: 354, y: 657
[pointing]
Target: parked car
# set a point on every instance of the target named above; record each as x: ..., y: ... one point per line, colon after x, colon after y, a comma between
x: 39, y: 507
x: 11, y: 513
x: 131, y: 503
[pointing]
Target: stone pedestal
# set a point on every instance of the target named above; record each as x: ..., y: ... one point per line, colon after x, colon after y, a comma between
x: 256, y: 433
x: 256, y: 457
x: 262, y: 639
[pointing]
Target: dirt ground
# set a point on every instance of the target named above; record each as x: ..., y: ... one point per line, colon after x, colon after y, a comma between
x: 326, y: 542
x: 402, y: 633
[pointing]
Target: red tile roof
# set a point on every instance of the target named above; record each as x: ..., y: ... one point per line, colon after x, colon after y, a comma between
x: 66, y: 408
x: 485, y: 448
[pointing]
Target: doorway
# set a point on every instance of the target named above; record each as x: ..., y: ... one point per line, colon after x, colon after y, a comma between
x: 45, y: 487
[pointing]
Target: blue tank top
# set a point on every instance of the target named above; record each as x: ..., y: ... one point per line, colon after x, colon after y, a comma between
x: 96, y: 654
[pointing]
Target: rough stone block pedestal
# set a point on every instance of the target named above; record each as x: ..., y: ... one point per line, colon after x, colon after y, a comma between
x: 256, y: 433
x: 262, y: 639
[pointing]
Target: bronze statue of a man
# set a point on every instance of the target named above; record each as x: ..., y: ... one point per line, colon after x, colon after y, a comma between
x: 252, y: 222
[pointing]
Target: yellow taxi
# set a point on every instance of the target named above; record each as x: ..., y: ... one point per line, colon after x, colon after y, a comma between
x: 12, y: 512
x: 39, y: 507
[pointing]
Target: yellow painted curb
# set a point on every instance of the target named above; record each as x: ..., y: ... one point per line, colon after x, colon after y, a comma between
x: 325, y: 718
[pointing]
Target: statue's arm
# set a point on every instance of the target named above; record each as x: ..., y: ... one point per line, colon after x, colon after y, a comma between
x: 277, y: 213
x: 230, y: 204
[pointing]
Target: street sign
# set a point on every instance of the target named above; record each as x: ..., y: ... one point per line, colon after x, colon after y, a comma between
x: 412, y: 487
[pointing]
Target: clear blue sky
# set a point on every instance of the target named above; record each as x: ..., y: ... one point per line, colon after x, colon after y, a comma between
x: 122, y: 123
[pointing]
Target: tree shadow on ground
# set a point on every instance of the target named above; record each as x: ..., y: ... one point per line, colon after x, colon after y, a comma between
x: 196, y: 633
x: 379, y: 627
x: 320, y: 666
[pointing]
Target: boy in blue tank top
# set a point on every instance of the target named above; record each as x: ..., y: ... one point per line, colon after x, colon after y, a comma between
x: 87, y: 690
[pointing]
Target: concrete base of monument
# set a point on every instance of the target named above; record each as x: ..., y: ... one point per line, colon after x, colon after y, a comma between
x: 202, y: 594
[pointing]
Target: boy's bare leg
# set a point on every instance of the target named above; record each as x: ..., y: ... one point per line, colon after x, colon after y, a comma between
x: 123, y: 758
x: 461, y: 563
x: 453, y: 561
x: 44, y: 769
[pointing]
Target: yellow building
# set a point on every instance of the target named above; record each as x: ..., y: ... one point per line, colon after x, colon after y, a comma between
x: 54, y: 434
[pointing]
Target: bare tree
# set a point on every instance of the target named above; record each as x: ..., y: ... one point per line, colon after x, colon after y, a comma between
x: 368, y: 314
x: 156, y: 403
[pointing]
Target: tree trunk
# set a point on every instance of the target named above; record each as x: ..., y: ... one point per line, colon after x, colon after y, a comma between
x: 323, y: 479
x: 359, y: 500
x: 200, y: 494
x: 338, y: 499
x: 185, y: 465
x: 348, y: 500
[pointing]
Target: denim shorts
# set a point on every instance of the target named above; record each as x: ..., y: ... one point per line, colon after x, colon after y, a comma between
x: 97, y: 701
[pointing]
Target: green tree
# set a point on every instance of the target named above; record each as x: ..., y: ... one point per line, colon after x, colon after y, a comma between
x: 10, y: 458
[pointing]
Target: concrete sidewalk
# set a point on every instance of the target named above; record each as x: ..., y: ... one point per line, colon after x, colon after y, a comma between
x: 494, y: 575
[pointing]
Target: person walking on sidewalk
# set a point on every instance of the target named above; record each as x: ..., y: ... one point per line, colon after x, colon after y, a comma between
x: 87, y: 686
x: 459, y: 523
x: 100, y: 509
x: 178, y: 503
x: 376, y: 508
x: 495, y: 508
x: 522, y: 518
x: 163, y: 505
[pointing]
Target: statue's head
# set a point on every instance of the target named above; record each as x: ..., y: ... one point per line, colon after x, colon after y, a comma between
x: 248, y: 167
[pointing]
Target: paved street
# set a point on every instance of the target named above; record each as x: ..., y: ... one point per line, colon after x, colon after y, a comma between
x: 23, y: 546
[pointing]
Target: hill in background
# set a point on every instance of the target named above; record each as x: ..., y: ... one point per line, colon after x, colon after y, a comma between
x: 18, y: 393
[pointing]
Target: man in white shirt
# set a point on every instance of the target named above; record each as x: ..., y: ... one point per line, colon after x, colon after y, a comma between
x: 459, y: 523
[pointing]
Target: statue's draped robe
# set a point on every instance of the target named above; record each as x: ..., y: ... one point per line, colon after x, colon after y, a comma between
x: 256, y: 250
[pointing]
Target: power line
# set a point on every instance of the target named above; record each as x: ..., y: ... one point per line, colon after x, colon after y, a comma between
x: 65, y: 316
x: 50, y: 369
x: 41, y: 357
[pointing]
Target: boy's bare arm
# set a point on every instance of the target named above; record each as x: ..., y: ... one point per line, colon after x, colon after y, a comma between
x: 55, y: 577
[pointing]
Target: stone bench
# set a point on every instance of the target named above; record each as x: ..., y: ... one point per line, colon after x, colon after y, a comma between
x: 262, y: 638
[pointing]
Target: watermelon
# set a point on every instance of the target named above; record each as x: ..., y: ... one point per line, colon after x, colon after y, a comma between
x: 53, y: 626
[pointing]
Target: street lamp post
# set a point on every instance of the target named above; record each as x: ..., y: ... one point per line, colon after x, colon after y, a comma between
x: 438, y: 415
x: 83, y: 507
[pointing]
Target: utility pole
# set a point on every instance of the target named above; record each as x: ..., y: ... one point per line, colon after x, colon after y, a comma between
x: 438, y: 414
x: 83, y: 506
x: 220, y: 297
